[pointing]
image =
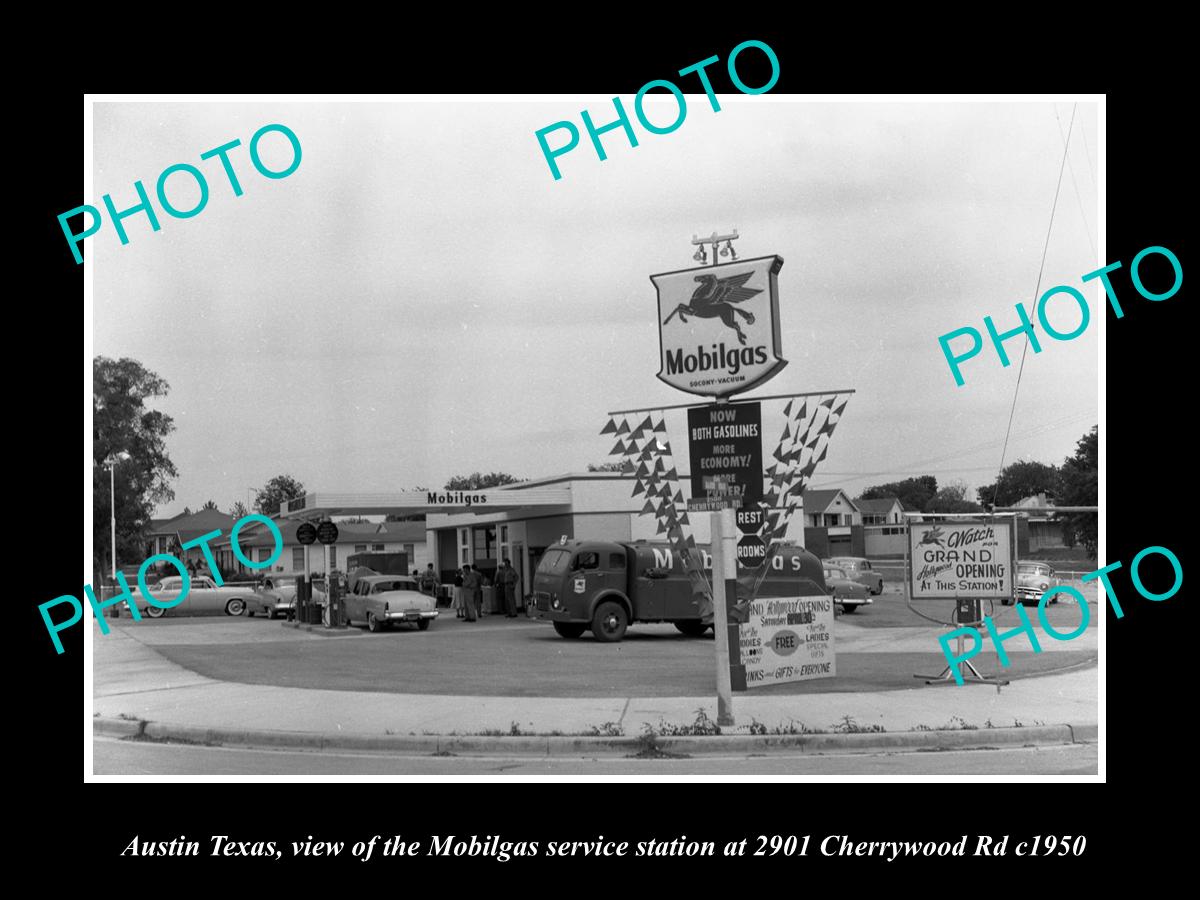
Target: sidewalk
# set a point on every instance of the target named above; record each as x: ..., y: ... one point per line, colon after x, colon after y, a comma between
x: 134, y: 684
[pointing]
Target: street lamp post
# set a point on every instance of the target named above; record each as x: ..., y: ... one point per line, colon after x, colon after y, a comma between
x: 112, y: 504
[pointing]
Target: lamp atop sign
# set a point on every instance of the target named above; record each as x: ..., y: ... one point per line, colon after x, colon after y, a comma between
x: 719, y: 330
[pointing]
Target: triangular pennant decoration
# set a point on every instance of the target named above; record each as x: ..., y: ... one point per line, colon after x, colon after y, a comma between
x: 623, y: 428
x: 617, y: 450
x: 638, y: 488
x: 610, y: 428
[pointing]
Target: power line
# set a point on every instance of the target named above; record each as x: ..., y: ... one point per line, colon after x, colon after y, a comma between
x: 1087, y: 228
x: 1037, y: 290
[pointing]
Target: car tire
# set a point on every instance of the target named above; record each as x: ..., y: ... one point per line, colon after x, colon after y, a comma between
x: 570, y: 629
x: 235, y: 607
x: 423, y: 624
x: 373, y: 624
x: 691, y: 628
x: 848, y: 608
x: 155, y: 612
x: 609, y: 622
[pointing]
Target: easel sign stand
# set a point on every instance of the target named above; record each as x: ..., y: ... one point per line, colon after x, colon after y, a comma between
x: 968, y: 611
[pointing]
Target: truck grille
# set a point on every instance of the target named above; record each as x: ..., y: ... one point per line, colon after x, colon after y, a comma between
x: 543, y: 600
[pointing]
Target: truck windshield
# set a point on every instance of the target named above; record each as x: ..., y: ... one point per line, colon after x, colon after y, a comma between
x: 554, y: 562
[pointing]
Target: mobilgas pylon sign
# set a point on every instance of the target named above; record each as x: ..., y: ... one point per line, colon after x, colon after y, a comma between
x: 719, y: 326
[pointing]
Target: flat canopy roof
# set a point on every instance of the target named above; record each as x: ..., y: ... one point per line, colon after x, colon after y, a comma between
x: 416, y: 502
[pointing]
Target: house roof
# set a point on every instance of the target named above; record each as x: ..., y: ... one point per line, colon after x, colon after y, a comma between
x: 879, y: 505
x: 819, y: 501
x: 192, y: 525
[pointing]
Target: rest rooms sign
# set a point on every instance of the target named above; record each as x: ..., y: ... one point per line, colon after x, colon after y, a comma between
x: 719, y: 326
x: 725, y: 451
x: 961, y: 559
x: 785, y: 639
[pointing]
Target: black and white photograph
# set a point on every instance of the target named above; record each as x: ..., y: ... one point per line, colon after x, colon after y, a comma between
x: 681, y: 435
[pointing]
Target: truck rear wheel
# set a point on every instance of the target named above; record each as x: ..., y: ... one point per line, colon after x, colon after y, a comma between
x: 609, y: 622
x: 570, y: 629
x: 691, y: 628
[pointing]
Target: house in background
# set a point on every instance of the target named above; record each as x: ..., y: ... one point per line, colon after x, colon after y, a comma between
x: 833, y: 524
x: 883, y: 511
x: 1044, y: 530
x: 169, y: 535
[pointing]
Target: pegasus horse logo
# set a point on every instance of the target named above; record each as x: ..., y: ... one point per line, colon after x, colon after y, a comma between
x: 715, y: 298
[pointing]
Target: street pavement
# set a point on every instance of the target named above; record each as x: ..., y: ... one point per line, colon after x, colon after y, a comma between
x: 133, y: 758
x: 136, y: 678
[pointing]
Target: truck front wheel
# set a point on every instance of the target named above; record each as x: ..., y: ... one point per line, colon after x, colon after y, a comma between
x: 570, y: 629
x: 609, y: 622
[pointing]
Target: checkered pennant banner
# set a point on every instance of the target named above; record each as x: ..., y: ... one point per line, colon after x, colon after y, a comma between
x: 645, y: 451
x: 802, y: 446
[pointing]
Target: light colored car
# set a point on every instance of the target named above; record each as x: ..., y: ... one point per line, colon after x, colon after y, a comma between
x: 380, y: 601
x: 276, y: 596
x: 1033, y: 580
x: 859, y: 569
x: 849, y: 593
x: 203, y: 598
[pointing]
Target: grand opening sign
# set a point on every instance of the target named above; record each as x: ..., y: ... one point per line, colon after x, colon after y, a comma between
x: 785, y: 639
x: 961, y: 559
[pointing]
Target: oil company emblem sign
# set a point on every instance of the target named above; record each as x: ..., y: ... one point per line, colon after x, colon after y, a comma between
x: 719, y: 326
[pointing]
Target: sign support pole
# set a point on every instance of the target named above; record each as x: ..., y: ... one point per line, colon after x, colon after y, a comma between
x: 724, y: 591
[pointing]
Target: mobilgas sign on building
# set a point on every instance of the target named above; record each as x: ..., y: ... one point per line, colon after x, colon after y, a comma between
x: 719, y: 326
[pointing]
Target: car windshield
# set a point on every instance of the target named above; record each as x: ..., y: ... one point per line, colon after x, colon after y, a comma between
x: 554, y: 562
x: 383, y: 586
x: 834, y: 572
x: 1027, y: 569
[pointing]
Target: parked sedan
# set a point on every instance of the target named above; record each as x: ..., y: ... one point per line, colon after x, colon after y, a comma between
x: 1033, y: 580
x: 850, y: 594
x: 859, y: 569
x: 380, y: 601
x: 277, y: 595
x: 203, y: 598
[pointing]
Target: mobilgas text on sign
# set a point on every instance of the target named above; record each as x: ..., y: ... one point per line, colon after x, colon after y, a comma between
x: 719, y: 330
x: 961, y: 559
x: 785, y: 639
x: 725, y: 451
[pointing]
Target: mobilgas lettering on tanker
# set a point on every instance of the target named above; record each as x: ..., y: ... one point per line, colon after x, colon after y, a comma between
x: 605, y: 586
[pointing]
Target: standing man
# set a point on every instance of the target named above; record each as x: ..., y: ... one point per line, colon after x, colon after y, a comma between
x: 472, y: 587
x: 429, y: 580
x: 506, y: 584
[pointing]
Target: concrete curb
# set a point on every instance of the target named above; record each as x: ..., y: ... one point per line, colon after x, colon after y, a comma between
x: 582, y: 746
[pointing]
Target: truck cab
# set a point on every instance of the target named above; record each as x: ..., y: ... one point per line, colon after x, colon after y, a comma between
x: 605, y: 586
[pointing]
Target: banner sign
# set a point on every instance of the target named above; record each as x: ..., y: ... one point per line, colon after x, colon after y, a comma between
x: 961, y: 558
x: 719, y: 326
x: 785, y: 639
x: 725, y: 452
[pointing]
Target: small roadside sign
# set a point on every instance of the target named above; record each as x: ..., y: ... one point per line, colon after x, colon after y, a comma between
x: 327, y: 533
x: 306, y: 533
x: 751, y: 551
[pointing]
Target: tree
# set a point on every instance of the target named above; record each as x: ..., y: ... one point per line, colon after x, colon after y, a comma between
x: 355, y: 520
x: 238, y: 510
x: 1020, y: 480
x: 914, y: 493
x: 1079, y: 488
x: 209, y: 504
x: 952, y: 498
x: 477, y: 481
x: 122, y: 424
x: 270, y: 497
x: 606, y: 467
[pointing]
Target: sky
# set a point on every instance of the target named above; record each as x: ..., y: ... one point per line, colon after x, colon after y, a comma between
x: 421, y: 298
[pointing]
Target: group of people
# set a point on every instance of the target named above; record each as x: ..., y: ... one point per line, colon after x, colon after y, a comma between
x: 468, y: 591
